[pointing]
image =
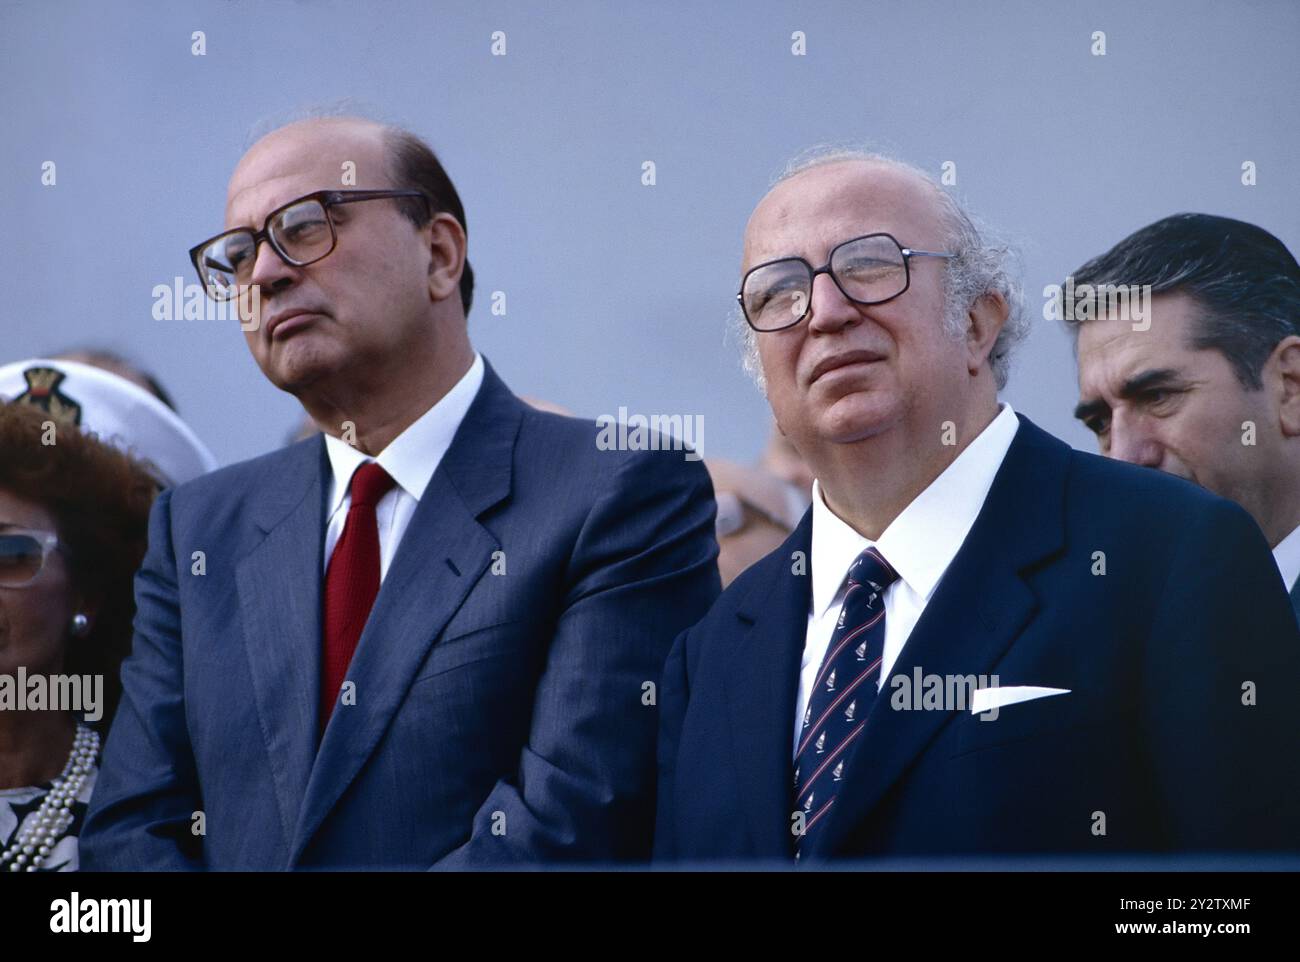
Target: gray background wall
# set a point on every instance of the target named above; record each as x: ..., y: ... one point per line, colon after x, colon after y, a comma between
x: 618, y: 294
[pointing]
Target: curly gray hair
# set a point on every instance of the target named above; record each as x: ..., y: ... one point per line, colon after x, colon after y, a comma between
x: 983, y: 265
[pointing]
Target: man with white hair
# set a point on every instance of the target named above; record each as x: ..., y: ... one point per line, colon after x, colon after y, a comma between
x: 977, y: 640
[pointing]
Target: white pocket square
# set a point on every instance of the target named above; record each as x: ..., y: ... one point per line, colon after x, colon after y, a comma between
x: 986, y: 699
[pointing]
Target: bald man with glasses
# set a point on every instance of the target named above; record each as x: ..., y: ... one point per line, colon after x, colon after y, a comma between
x: 977, y: 640
x: 427, y: 637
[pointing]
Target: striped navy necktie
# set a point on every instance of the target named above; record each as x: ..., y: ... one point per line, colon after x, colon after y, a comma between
x: 842, y: 694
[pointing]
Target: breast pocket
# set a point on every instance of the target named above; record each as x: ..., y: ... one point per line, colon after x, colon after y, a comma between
x: 504, y: 640
x: 1052, y: 715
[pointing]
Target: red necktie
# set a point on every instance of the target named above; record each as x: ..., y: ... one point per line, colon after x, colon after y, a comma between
x: 351, y: 582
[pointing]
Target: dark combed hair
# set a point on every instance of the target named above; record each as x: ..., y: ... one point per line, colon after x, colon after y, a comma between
x: 1243, y: 279
x: 413, y: 164
x: 100, y: 499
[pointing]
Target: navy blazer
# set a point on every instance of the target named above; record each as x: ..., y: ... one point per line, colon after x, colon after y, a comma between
x: 501, y: 712
x: 1153, y: 750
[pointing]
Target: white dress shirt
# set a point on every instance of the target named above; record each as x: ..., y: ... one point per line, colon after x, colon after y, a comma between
x: 410, y: 459
x: 920, y: 544
x: 1287, y: 556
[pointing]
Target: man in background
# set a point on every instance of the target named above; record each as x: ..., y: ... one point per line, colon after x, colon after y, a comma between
x: 1207, y: 386
x: 759, y: 504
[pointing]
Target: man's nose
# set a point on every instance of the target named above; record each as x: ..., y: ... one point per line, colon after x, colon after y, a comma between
x: 1132, y: 440
x: 831, y: 310
x: 270, y: 271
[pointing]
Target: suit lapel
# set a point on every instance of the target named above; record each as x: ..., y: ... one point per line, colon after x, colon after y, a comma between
x: 279, y: 586
x: 763, y: 684
x: 443, y: 552
x: 975, y: 614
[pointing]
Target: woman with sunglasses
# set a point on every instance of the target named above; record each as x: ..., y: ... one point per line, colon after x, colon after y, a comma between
x: 73, y: 522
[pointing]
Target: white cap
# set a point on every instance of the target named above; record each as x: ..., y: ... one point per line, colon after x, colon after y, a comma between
x: 120, y: 413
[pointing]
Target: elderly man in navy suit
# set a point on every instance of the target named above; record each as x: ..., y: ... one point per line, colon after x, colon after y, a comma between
x: 978, y: 640
x: 427, y: 638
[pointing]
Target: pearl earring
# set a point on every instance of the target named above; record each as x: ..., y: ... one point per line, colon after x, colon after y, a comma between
x: 79, y: 624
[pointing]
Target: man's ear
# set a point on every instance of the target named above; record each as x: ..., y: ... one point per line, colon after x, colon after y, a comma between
x: 984, y: 322
x: 447, y: 249
x: 1285, y: 360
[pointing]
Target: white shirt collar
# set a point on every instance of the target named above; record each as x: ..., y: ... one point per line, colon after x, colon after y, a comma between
x: 1287, y: 556
x: 410, y: 458
x: 922, y: 541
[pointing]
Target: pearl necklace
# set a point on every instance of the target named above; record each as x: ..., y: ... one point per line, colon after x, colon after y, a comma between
x: 32, y: 844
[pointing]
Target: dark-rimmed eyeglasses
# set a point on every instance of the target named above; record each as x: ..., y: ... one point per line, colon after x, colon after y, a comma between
x: 301, y: 232
x: 870, y: 269
x: 23, y: 555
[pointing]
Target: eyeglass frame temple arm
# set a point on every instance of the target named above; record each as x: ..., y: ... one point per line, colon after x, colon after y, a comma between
x: 328, y: 198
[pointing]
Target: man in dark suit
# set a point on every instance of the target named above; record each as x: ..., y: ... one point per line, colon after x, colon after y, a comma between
x: 977, y: 640
x: 429, y: 638
x: 1203, y: 381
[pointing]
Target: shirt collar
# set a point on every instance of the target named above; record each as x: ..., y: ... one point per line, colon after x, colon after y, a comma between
x: 922, y: 541
x: 410, y: 458
x: 1287, y: 556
